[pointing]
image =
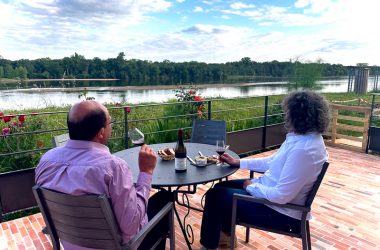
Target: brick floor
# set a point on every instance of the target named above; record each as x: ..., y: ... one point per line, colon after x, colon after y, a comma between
x: 346, y: 212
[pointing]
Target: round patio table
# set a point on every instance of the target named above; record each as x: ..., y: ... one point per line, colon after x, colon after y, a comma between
x: 164, y: 174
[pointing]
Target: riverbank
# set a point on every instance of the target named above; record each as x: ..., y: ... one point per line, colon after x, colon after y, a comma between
x: 4, y: 80
x: 145, y: 87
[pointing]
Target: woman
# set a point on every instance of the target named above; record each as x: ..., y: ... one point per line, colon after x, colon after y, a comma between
x: 289, y: 174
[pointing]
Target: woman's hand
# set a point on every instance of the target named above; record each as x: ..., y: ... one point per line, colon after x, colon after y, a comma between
x: 230, y: 160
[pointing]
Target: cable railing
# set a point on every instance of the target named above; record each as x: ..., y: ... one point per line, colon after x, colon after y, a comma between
x: 23, y: 140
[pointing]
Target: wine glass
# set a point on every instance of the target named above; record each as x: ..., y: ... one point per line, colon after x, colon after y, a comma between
x: 136, y: 136
x: 220, y: 149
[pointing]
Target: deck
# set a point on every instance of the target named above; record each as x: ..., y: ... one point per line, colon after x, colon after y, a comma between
x: 346, y: 212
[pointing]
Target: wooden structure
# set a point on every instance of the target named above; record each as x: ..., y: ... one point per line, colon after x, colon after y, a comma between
x: 361, y: 125
x: 361, y: 80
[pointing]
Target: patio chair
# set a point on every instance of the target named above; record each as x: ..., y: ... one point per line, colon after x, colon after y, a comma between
x: 301, y: 231
x: 208, y: 131
x: 89, y: 221
x: 60, y: 140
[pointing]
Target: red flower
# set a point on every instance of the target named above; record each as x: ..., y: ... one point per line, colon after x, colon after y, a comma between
x: 40, y: 144
x: 6, y: 131
x: 198, y: 98
x: 1, y: 115
x: 21, y: 118
x: 7, y: 118
x: 191, y: 92
x: 127, y: 109
x: 201, y: 107
x: 117, y: 104
x: 199, y: 112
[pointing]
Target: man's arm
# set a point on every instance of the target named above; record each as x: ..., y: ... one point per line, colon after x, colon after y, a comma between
x: 130, y: 200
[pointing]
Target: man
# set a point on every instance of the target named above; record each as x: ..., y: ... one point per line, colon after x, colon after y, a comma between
x: 85, y: 165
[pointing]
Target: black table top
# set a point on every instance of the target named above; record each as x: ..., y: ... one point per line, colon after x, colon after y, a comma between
x: 164, y: 174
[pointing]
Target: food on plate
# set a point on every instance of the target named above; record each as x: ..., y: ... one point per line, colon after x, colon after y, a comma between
x: 212, y: 159
x: 201, y: 160
x: 167, y: 154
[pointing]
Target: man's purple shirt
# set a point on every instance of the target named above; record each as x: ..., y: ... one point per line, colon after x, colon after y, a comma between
x: 84, y: 167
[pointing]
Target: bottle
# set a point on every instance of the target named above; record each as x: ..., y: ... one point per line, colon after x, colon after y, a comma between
x: 180, y: 153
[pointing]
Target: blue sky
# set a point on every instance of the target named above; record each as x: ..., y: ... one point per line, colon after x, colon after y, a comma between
x: 336, y: 31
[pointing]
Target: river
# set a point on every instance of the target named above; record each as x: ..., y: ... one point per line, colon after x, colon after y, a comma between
x: 40, y: 95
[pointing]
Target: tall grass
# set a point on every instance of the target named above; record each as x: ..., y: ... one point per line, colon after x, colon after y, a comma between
x: 159, y: 122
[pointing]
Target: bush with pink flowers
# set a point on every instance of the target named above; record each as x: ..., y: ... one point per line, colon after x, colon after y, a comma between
x: 190, y: 94
x: 16, y: 134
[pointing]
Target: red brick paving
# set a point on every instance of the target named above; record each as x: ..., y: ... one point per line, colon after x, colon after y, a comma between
x: 346, y: 212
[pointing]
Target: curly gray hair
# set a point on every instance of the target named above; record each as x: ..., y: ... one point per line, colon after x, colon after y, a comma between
x: 305, y: 112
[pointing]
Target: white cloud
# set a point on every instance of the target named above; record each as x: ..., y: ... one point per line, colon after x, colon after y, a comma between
x: 198, y: 9
x: 225, y: 17
x: 301, y: 3
x: 180, y: 1
x: 240, y: 5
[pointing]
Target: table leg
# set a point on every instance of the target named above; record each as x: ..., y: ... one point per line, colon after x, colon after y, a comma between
x: 185, y: 233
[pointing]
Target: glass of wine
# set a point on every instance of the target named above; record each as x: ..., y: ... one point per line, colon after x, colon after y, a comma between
x: 136, y: 136
x: 220, y: 149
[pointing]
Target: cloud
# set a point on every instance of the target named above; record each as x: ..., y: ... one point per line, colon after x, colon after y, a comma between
x: 31, y: 28
x: 198, y: 9
x: 240, y: 5
x: 180, y: 1
x: 301, y: 3
x: 226, y: 17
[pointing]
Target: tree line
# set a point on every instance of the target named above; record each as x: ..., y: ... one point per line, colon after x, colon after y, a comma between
x: 134, y: 71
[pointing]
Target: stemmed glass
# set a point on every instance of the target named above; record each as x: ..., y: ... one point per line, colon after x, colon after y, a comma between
x: 136, y: 136
x: 221, y: 147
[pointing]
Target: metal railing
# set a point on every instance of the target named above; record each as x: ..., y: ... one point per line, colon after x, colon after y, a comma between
x: 252, y: 115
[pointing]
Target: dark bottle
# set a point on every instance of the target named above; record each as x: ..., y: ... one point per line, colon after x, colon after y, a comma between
x: 180, y: 153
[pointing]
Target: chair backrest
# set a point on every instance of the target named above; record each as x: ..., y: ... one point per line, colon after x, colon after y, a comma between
x: 86, y: 220
x: 208, y: 131
x: 316, y: 185
x: 60, y: 140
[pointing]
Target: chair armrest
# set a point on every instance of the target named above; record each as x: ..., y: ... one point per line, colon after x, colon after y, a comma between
x: 266, y: 202
x: 251, y: 173
x: 136, y: 240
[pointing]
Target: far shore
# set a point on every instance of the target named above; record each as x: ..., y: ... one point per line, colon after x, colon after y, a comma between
x: 4, y: 80
x: 124, y: 88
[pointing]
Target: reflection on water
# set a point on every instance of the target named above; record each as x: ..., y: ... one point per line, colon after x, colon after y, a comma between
x: 13, y: 99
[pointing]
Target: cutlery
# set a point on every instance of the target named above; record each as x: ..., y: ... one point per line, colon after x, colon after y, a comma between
x: 191, y: 160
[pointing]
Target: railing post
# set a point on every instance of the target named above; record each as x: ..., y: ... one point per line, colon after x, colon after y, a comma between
x: 209, y: 109
x: 263, y: 142
x: 369, y: 124
x: 125, y: 127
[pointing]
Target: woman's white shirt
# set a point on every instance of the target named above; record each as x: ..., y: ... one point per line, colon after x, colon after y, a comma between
x: 290, y: 173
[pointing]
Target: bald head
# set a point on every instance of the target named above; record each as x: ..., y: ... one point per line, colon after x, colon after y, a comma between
x: 85, y: 119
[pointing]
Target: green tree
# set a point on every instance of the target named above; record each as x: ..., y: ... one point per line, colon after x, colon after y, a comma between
x: 9, y: 71
x: 21, y: 72
x: 306, y: 74
x: 1, y: 72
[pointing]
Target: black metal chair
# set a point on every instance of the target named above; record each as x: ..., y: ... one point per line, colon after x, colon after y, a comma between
x: 89, y: 221
x: 208, y: 131
x: 301, y: 231
x: 60, y: 140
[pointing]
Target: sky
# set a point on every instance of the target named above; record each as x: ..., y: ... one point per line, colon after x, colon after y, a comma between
x: 212, y: 31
